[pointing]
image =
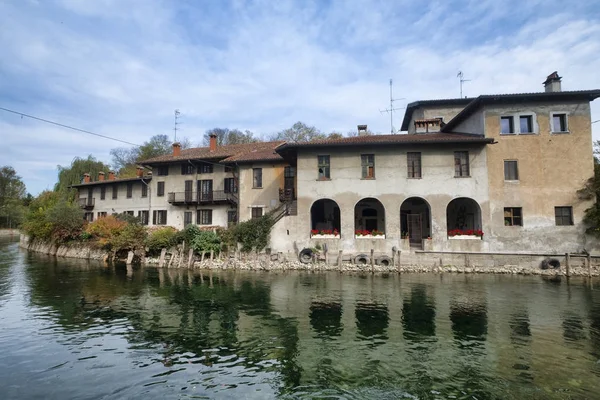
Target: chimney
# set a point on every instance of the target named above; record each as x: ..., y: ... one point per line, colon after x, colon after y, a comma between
x: 140, y: 172
x: 101, y: 176
x: 552, y: 82
x: 111, y: 175
x: 176, y: 149
x: 362, y: 130
x: 86, y: 178
x: 213, y: 142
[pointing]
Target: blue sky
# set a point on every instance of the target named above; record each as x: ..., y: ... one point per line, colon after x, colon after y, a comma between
x: 120, y: 67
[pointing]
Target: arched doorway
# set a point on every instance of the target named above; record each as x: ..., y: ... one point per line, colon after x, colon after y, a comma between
x: 463, y: 213
x: 369, y: 215
x: 415, y: 220
x: 325, y: 216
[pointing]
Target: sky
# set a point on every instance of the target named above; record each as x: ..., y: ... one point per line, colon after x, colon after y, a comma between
x: 121, y: 67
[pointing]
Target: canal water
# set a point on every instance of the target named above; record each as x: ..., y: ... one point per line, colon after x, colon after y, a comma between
x: 70, y: 329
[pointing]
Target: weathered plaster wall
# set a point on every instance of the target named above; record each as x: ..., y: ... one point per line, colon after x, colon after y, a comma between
x: 121, y: 203
x: 446, y: 112
x: 266, y: 197
x: 552, y: 167
x: 474, y: 124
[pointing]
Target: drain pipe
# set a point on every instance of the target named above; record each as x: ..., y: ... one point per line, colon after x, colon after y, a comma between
x: 149, y: 199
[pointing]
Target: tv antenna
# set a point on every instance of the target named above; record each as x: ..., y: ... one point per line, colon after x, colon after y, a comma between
x: 461, y: 76
x: 392, y: 109
x: 175, y: 129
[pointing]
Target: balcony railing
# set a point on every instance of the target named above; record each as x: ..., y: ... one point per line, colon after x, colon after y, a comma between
x: 214, y: 197
x: 87, y: 203
x: 286, y: 195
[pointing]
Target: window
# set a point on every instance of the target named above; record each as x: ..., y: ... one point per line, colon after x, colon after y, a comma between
x: 187, y: 169
x: 232, y: 217
x: 323, y: 167
x: 204, y: 217
x: 461, y: 164
x: 257, y: 212
x: 102, y: 192
x: 130, y: 190
x: 367, y: 162
x: 257, y: 178
x: 163, y: 170
x: 206, y: 168
x: 228, y: 168
x: 559, y: 123
x: 89, y: 216
x: 143, y: 217
x: 160, y: 189
x: 507, y: 125
x: 229, y: 185
x: 526, y: 124
x: 513, y: 216
x: 101, y: 214
x: 511, y: 170
x: 128, y: 213
x: 159, y: 217
x: 187, y: 218
x: 144, y: 189
x: 414, y: 164
x: 563, y: 215
x: 115, y: 192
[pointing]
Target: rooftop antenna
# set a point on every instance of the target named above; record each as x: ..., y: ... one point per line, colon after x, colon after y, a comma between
x: 392, y: 109
x: 460, y: 76
x: 176, y: 123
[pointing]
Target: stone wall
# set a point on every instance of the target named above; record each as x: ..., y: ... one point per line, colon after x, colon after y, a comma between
x: 9, y: 232
x: 75, y: 251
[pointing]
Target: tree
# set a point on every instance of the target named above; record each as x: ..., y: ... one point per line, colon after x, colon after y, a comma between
x: 591, y: 191
x: 124, y: 159
x: 335, y: 135
x: 299, y: 132
x: 353, y: 133
x: 12, y: 195
x: 73, y: 174
x: 227, y: 136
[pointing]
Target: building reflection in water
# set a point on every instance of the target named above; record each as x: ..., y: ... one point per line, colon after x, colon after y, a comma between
x: 418, y: 314
x: 520, y: 337
x: 372, y: 320
x: 469, y: 321
x: 326, y: 318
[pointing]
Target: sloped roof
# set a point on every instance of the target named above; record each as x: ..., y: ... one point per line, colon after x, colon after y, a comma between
x: 411, y: 107
x: 116, y: 180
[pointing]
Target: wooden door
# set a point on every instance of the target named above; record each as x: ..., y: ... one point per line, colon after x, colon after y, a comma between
x: 189, y: 191
x: 415, y: 230
x: 205, y: 189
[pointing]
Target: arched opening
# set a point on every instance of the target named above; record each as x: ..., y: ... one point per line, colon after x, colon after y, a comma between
x: 463, y: 214
x: 369, y: 217
x: 325, y: 217
x: 415, y: 220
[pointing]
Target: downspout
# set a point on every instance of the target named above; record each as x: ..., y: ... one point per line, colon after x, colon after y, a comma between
x: 195, y: 183
x: 149, y: 199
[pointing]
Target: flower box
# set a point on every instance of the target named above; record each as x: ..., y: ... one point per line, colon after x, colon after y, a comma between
x: 465, y: 237
x: 465, y: 234
x: 326, y: 236
x: 324, y: 233
x: 369, y: 236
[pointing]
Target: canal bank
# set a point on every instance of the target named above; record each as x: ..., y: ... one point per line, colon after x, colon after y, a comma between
x: 399, y: 262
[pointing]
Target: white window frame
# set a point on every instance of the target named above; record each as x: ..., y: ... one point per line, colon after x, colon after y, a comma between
x: 516, y: 120
x: 566, y: 114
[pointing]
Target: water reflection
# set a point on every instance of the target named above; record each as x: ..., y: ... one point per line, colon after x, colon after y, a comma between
x: 469, y: 321
x: 326, y: 318
x: 372, y: 320
x: 418, y: 314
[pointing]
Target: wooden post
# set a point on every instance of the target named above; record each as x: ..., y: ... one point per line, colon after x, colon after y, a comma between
x: 129, y: 257
x: 212, y: 253
x: 161, y: 262
x: 340, y: 260
x: 589, y: 265
x: 181, y: 254
x: 399, y: 263
x: 568, y: 261
x: 191, y: 258
x: 372, y: 261
x: 202, y: 258
x: 171, y: 260
x: 393, y: 258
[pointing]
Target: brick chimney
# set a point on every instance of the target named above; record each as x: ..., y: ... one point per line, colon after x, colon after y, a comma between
x: 111, y: 175
x: 362, y: 130
x: 213, y: 142
x: 176, y: 149
x: 552, y: 82
x: 86, y: 178
x: 139, y: 172
x: 101, y: 176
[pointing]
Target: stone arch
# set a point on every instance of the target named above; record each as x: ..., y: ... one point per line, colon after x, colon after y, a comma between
x: 415, y: 220
x: 325, y: 215
x: 369, y: 215
x: 463, y: 213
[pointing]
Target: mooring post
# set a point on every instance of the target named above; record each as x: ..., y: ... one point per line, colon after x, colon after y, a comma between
x: 191, y: 258
x: 340, y: 260
x: 589, y: 265
x: 130, y: 257
x: 202, y: 258
x: 161, y: 262
x: 212, y: 254
x: 372, y: 261
x: 399, y: 263
x: 568, y: 262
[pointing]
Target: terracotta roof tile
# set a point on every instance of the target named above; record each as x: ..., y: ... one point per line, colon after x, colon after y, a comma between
x: 117, y: 180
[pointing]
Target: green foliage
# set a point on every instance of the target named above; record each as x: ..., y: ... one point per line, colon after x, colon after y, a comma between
x: 160, y: 238
x: 12, y: 198
x: 73, y: 174
x: 131, y: 237
x: 205, y: 242
x: 105, y: 230
x: 67, y: 221
x: 130, y: 219
x: 299, y: 132
x: 227, y: 136
x: 254, y: 233
x: 591, y: 191
x: 37, y: 224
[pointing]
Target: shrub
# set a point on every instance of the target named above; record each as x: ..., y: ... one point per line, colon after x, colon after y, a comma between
x: 105, y: 230
x: 187, y: 234
x: 160, y: 238
x: 36, y: 223
x: 254, y: 233
x: 205, y: 242
x: 67, y: 221
x: 131, y: 237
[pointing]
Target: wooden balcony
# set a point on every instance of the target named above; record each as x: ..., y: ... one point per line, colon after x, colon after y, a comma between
x: 287, y: 195
x: 199, y: 198
x: 87, y: 203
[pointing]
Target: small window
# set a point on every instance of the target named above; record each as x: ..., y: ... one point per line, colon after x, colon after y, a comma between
x: 159, y: 217
x: 89, y: 216
x: 257, y: 178
x: 128, y: 213
x: 323, y: 167
x: 206, y: 168
x: 129, y: 190
x: 229, y: 185
x: 526, y: 124
x: 187, y: 218
x: 559, y: 123
x: 507, y: 125
x: 187, y: 169
x: 144, y: 189
x: 511, y: 170
x: 102, y: 192
x: 257, y: 212
x: 204, y: 217
x: 563, y: 215
x: 414, y: 164
x: 163, y: 170
x: 101, y: 214
x: 115, y: 191
x: 513, y: 216
x: 367, y: 162
x: 143, y: 217
x: 160, y: 189
x: 232, y: 217
x: 461, y: 163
